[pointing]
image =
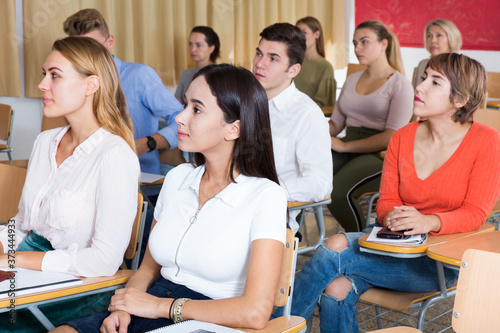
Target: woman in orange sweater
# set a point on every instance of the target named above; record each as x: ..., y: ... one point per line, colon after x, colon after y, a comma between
x: 440, y: 176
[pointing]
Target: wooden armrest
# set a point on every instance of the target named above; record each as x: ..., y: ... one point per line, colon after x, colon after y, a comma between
x: 91, y: 283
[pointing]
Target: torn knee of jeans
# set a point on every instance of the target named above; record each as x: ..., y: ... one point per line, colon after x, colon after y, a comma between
x: 337, y: 292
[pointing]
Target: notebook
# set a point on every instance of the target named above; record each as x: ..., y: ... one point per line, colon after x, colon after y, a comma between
x: 414, y: 239
x: 195, y: 326
x: 27, y: 281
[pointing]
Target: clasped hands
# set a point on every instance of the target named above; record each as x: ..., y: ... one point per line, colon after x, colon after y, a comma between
x: 410, y: 219
x: 130, y: 301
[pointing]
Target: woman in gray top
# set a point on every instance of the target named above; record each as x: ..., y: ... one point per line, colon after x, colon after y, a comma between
x: 204, y: 49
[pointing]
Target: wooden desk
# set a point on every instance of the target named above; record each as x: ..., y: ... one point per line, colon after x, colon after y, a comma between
x: 90, y: 286
x: 493, y: 103
x: 281, y: 324
x: 18, y: 163
x: 416, y: 250
x: 412, y: 251
x: 451, y: 252
x: 327, y: 110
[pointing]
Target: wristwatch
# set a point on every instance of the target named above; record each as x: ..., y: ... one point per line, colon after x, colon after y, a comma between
x: 151, y: 143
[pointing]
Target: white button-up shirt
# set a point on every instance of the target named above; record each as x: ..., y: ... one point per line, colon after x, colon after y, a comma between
x: 85, y: 207
x: 302, y: 147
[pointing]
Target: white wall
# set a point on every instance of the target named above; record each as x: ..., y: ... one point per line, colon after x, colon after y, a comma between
x: 28, y: 111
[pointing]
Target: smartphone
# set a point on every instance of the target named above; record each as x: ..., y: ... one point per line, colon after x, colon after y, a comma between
x: 389, y: 234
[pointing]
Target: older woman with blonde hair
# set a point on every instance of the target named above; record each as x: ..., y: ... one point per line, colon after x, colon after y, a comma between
x: 440, y: 36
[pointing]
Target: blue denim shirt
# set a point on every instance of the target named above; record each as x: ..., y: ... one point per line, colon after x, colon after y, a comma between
x: 147, y: 99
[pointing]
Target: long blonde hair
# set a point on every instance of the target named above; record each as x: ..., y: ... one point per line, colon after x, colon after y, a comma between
x: 393, y: 52
x: 89, y: 57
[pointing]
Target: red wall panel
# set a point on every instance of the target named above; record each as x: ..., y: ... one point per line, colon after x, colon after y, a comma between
x: 477, y: 20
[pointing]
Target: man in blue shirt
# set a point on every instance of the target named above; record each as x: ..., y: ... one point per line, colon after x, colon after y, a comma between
x: 146, y: 95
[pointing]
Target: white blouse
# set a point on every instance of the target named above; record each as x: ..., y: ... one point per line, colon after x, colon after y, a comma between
x: 208, y: 250
x: 85, y: 207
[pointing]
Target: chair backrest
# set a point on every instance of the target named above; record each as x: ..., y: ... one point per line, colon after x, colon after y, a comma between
x: 493, y: 86
x: 135, y: 243
x: 284, y: 291
x: 490, y: 117
x: 353, y: 68
x: 11, y: 186
x: 50, y: 123
x: 5, y: 121
x: 476, y: 302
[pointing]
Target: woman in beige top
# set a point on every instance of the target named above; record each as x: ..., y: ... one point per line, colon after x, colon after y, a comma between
x: 441, y: 36
x: 373, y: 104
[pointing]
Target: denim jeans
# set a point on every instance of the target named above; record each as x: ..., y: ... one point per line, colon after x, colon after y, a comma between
x: 364, y: 270
x: 160, y: 287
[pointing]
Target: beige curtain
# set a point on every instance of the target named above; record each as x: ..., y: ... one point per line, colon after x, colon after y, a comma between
x: 10, y: 80
x: 155, y: 32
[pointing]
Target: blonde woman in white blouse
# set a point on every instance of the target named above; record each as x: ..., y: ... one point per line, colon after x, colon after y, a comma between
x: 79, y: 199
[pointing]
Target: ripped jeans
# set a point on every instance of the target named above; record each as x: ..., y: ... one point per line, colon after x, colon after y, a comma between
x: 364, y: 270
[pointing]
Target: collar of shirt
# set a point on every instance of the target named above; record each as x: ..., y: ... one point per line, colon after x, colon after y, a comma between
x: 83, y: 148
x: 228, y: 195
x: 281, y: 100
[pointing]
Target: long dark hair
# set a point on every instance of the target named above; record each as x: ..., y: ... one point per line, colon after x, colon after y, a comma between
x: 211, y: 38
x: 241, y: 97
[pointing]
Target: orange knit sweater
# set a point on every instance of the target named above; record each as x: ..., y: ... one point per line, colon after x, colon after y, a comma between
x: 461, y: 192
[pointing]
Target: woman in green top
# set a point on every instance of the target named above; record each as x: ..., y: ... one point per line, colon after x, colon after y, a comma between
x: 316, y: 78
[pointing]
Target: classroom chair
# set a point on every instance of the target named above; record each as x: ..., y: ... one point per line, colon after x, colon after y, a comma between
x: 493, y: 90
x: 476, y: 304
x: 11, y: 186
x: 317, y: 206
x: 91, y: 285
x: 53, y: 122
x: 284, y: 293
x: 490, y: 117
x: 353, y: 68
x: 6, y: 122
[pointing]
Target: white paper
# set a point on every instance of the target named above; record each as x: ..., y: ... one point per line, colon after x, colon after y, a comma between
x: 414, y: 239
x: 27, y: 281
x: 195, y: 326
x: 148, y: 178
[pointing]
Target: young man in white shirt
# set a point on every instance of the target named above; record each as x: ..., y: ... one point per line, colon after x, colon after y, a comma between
x: 301, y: 138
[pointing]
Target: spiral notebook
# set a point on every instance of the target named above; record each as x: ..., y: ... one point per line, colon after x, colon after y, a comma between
x: 195, y: 326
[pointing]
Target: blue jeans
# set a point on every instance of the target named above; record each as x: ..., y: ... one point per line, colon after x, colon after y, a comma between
x: 364, y: 270
x: 160, y: 287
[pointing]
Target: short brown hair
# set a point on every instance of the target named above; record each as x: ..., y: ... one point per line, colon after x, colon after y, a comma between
x: 291, y: 36
x: 85, y: 21
x: 467, y: 80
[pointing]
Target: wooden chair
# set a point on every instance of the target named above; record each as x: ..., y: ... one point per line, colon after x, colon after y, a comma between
x: 353, y: 68
x: 317, y: 206
x: 284, y: 293
x: 491, y: 118
x: 90, y: 286
x: 6, y: 121
x: 493, y: 90
x: 50, y: 123
x: 11, y: 186
x: 476, y: 301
